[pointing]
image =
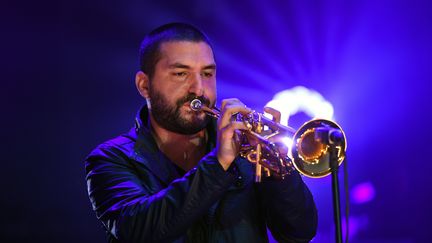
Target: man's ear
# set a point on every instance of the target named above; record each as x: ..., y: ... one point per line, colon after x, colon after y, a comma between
x: 142, y: 84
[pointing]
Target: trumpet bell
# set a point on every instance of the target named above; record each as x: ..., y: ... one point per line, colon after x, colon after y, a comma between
x: 311, y: 153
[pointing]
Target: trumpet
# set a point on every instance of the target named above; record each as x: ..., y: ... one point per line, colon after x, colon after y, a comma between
x: 314, y: 144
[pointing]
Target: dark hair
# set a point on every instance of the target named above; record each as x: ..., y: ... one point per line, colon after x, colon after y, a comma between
x: 149, y: 50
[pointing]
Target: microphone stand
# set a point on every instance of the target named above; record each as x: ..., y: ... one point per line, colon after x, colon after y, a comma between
x: 333, y: 138
x: 335, y: 191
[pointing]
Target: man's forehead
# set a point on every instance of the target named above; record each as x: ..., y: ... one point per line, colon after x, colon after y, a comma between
x: 186, y: 52
x: 180, y: 43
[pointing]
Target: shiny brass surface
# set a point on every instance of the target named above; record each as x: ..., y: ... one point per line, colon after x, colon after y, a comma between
x: 312, y: 157
x: 261, y: 144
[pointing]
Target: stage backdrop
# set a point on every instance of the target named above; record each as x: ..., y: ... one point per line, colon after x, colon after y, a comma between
x: 68, y: 85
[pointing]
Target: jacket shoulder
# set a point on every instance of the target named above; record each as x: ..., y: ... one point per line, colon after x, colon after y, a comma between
x: 115, y: 149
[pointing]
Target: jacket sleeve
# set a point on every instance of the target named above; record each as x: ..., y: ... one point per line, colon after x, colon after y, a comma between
x: 289, y: 208
x: 132, y: 214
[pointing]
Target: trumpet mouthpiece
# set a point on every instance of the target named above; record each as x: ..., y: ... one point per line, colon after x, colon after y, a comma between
x: 196, y: 105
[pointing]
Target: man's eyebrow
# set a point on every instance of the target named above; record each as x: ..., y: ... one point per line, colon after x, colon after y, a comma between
x: 184, y: 66
x: 211, y: 66
x: 178, y: 65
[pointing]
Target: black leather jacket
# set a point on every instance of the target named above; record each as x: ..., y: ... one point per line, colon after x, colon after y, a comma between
x: 139, y: 196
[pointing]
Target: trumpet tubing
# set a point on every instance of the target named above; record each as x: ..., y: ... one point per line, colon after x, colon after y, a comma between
x: 309, y: 154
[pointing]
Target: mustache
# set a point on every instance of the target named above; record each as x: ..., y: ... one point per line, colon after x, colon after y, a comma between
x: 190, y: 97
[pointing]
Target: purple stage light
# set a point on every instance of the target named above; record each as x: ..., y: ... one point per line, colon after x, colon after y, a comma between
x: 363, y: 193
x: 356, y: 224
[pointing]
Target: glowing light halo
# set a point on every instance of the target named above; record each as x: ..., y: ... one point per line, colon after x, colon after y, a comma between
x: 298, y: 99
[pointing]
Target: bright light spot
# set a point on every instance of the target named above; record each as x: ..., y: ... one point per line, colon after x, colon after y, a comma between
x: 287, y: 141
x: 363, y: 193
x: 298, y: 99
x: 356, y: 223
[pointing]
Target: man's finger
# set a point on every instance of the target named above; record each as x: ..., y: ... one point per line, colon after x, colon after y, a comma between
x: 228, y: 111
x: 275, y: 113
x: 228, y: 131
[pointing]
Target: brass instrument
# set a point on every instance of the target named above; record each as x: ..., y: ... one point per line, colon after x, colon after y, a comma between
x: 309, y: 154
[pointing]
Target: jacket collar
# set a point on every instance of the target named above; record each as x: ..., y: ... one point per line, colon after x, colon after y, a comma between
x: 146, y: 151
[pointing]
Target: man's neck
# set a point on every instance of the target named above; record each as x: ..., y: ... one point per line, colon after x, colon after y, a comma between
x: 184, y: 150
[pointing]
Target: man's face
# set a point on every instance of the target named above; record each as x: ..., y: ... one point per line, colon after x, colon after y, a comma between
x: 185, y: 71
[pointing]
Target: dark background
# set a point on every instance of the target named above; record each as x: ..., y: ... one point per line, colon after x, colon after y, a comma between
x: 68, y: 84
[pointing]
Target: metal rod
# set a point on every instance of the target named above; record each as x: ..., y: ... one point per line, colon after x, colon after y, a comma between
x: 335, y: 191
x: 257, y: 164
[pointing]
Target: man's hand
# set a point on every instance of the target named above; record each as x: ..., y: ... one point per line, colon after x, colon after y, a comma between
x: 228, y: 144
x: 278, y: 139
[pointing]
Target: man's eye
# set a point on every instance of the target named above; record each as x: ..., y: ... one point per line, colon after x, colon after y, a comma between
x: 180, y: 74
x: 208, y: 74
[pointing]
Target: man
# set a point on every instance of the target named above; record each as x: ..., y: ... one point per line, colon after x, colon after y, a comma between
x: 177, y: 176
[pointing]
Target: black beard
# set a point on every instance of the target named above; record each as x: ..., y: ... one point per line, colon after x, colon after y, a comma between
x: 170, y: 117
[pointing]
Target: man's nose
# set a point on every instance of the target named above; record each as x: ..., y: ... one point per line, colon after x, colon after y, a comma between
x: 196, y: 86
